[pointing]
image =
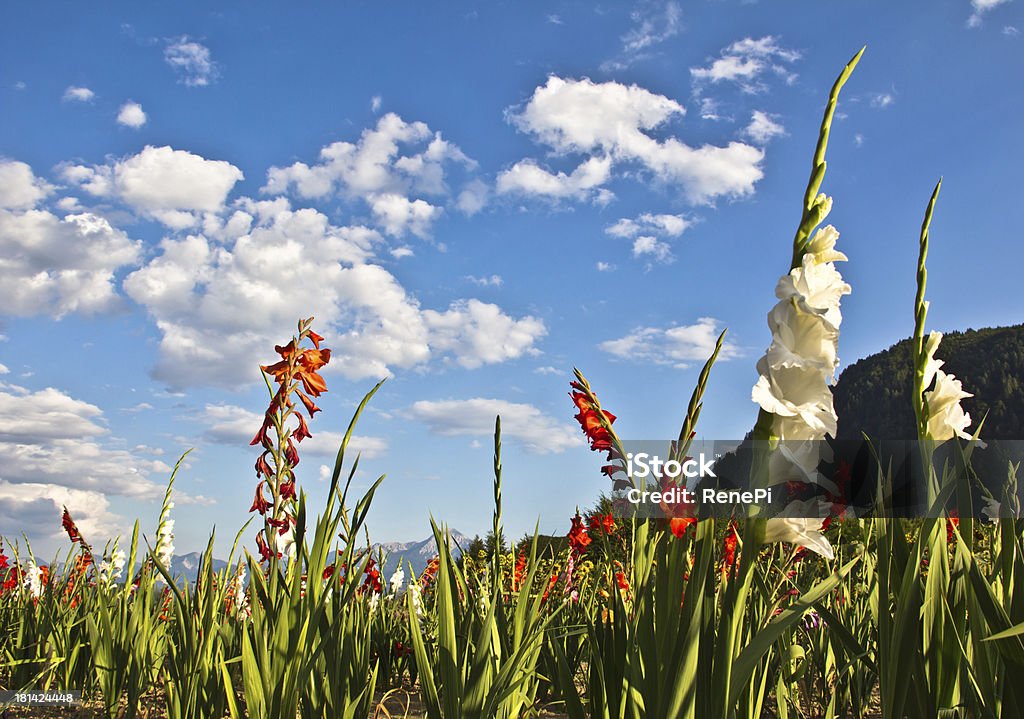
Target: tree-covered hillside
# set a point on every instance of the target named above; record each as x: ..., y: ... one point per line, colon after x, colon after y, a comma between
x: 873, y: 394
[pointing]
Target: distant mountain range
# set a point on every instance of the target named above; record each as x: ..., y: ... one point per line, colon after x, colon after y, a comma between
x: 415, y: 553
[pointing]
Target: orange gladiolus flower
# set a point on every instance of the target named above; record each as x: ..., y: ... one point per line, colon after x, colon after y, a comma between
x: 679, y: 525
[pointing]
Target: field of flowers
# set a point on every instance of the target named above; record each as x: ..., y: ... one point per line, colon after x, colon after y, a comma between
x: 802, y: 614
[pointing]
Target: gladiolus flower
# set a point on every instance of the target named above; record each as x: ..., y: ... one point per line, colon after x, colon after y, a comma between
x: 579, y: 540
x: 952, y: 522
x: 679, y: 525
x: 946, y: 418
x: 69, y: 526
x: 397, y: 580
x: 621, y: 581
x: 287, y: 489
x: 259, y: 503
x: 732, y: 538
x: 519, y: 573
x: 798, y: 367
x: 801, y: 531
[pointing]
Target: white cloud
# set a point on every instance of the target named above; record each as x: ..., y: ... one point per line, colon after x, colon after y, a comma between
x: 524, y: 423
x: 763, y: 128
x: 492, y: 281
x: 78, y: 94
x: 555, y: 20
x: 679, y: 346
x: 981, y: 7
x: 858, y: 139
x: 548, y: 370
x: 296, y: 264
x: 131, y: 115
x: 646, y: 245
x: 479, y: 333
x: 397, y: 214
x: 473, y: 197
x: 654, y: 22
x: 20, y: 189
x: 746, y: 61
x: 56, y: 266
x: 375, y: 103
x: 604, y: 267
x: 236, y: 426
x: 648, y: 223
x: 3, y: 369
x: 526, y: 177
x: 401, y: 252
x: 36, y: 508
x: 191, y: 61
x: 645, y: 231
x: 172, y: 186
x: 48, y: 437
x: 396, y: 159
x: 1011, y: 31
x: 611, y: 123
x: 882, y: 100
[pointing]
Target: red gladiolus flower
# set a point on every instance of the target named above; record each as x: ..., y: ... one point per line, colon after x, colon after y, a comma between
x: 679, y: 525
x: 69, y: 526
x: 519, y: 574
x: 287, y: 489
x: 265, y: 552
x: 578, y: 537
x: 731, y: 540
x: 952, y: 522
x: 621, y: 581
x: 328, y: 572
x: 372, y: 579
x: 3, y: 560
x: 259, y: 504
x: 430, y: 571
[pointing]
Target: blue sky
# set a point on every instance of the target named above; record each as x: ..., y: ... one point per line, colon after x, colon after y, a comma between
x: 472, y: 198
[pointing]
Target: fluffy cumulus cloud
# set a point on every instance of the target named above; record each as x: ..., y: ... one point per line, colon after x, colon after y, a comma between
x: 47, y: 436
x: 20, y: 189
x: 612, y: 124
x: 398, y: 168
x: 762, y: 128
x: 131, y: 115
x: 476, y: 333
x: 172, y: 186
x: 236, y: 426
x: 294, y: 263
x: 191, y: 61
x: 78, y: 94
x: 746, y: 62
x: 680, y: 346
x: 527, y: 178
x: 535, y: 431
x: 56, y: 265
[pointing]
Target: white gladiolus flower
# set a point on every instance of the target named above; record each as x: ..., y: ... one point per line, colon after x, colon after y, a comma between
x: 374, y: 601
x: 110, y: 571
x: 286, y: 543
x: 822, y: 246
x: 800, y: 364
x: 801, y: 531
x: 801, y: 339
x: 397, y: 580
x: 165, y: 542
x: 34, y: 580
x: 816, y: 287
x: 238, y: 589
x: 946, y: 418
x: 417, y: 598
